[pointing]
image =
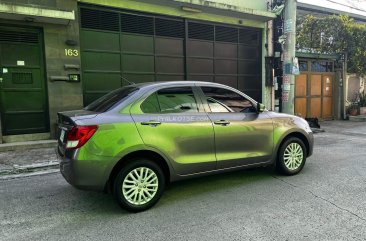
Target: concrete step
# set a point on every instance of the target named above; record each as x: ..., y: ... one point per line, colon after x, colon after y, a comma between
x: 17, y: 169
x: 360, y: 118
x: 25, y: 145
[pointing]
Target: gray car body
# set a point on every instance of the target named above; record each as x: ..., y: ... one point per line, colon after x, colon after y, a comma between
x: 96, y: 170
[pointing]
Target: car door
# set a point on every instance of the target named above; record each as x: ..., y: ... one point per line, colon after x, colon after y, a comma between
x: 172, y: 121
x: 242, y: 135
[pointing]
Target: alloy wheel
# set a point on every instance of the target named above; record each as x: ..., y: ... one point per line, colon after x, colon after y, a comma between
x: 140, y: 186
x: 293, y: 156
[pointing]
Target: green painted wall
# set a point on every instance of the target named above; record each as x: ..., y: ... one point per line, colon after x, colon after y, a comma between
x: 167, y: 9
x: 253, y: 4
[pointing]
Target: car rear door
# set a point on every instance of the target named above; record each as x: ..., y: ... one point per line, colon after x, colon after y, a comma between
x: 242, y: 135
x: 172, y: 121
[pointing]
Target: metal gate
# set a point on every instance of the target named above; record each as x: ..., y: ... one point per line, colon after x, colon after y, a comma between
x: 314, y: 89
x: 23, y: 105
x: 143, y: 47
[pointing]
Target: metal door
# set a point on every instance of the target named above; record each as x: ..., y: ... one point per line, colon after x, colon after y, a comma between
x: 144, y: 47
x: 23, y: 102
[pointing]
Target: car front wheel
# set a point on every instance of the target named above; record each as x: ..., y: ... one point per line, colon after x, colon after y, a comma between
x: 139, y: 185
x: 291, y: 156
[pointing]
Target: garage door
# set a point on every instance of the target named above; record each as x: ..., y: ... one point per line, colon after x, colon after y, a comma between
x: 142, y: 48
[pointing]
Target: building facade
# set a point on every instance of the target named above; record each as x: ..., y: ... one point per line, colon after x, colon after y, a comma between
x: 57, y: 55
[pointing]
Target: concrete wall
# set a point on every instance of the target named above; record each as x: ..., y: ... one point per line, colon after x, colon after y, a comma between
x: 354, y: 85
x: 259, y: 5
x: 62, y: 95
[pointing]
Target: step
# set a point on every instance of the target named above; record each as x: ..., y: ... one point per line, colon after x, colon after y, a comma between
x: 359, y: 118
x: 25, y: 145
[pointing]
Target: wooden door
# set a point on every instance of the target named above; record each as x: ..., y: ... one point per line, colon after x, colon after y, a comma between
x: 301, y: 95
x: 314, y: 95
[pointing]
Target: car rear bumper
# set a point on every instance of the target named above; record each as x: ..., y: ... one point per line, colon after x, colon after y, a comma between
x: 83, y: 174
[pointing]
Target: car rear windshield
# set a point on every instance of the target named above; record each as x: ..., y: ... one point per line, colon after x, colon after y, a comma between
x: 109, y: 100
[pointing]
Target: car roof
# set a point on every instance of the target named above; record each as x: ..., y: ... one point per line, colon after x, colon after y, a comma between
x: 176, y: 82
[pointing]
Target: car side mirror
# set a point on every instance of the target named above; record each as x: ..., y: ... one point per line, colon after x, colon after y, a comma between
x: 260, y: 107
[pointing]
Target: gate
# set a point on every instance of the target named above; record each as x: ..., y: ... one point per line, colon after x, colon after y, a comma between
x: 314, y: 89
x: 144, y: 47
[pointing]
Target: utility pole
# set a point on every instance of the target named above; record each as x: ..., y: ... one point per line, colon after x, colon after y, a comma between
x: 288, y: 87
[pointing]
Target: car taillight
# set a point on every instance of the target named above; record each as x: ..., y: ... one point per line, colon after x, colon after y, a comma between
x: 79, y: 135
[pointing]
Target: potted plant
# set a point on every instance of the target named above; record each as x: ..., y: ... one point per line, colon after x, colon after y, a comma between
x: 352, y: 109
x: 362, y: 102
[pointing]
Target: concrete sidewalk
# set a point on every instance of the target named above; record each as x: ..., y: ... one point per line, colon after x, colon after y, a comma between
x: 24, y: 157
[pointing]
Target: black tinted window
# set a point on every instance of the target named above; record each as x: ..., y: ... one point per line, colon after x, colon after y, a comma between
x: 223, y: 100
x: 109, y: 100
x: 171, y: 100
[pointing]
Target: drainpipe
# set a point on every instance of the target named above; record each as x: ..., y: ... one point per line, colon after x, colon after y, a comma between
x: 288, y: 90
x: 343, y: 87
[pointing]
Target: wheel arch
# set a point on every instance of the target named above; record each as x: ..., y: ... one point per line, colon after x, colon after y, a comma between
x: 299, y: 135
x: 147, y: 154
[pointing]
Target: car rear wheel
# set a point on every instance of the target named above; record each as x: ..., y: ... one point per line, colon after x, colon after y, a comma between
x: 139, y: 185
x: 291, y: 156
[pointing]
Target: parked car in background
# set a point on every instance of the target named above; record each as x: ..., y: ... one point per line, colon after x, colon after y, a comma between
x: 137, y: 139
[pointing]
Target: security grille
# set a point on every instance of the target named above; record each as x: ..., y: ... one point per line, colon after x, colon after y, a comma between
x: 169, y: 28
x: 201, y: 31
x: 96, y: 19
x: 137, y: 24
x: 18, y: 37
x: 226, y: 34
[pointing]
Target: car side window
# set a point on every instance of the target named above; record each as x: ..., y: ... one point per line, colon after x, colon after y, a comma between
x: 223, y: 100
x: 171, y: 100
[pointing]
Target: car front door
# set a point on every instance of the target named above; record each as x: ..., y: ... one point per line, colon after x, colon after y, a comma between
x: 242, y: 135
x: 173, y: 121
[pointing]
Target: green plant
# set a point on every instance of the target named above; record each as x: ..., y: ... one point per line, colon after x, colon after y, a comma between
x: 352, y: 109
x: 332, y: 35
x: 362, y: 99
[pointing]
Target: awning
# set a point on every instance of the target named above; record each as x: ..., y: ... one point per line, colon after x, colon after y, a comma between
x: 35, y: 14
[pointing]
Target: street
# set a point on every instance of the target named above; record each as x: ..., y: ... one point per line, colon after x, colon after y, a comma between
x: 326, y: 201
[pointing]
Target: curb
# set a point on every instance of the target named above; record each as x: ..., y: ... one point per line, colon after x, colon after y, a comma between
x: 317, y: 130
x: 15, y: 146
x: 29, y: 174
x: 30, y: 168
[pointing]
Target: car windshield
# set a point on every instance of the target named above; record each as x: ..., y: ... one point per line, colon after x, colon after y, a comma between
x: 109, y: 100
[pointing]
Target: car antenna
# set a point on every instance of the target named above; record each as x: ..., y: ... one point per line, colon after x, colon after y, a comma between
x: 129, y: 82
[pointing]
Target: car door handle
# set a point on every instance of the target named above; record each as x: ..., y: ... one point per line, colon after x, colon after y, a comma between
x: 222, y: 122
x: 150, y: 123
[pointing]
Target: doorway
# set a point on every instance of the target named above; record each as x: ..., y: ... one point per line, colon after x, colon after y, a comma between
x: 23, y: 96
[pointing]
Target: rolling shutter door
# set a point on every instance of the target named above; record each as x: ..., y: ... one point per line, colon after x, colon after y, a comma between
x: 142, y: 48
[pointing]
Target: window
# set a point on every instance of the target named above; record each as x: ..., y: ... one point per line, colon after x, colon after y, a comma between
x: 171, y: 100
x: 223, y: 100
x: 303, y: 66
x: 321, y: 66
x: 109, y: 100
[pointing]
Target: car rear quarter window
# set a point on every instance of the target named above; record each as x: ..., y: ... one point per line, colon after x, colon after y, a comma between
x: 224, y: 100
x: 171, y: 100
x: 111, y: 99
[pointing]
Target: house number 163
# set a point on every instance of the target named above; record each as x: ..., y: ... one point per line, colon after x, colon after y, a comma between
x: 72, y: 52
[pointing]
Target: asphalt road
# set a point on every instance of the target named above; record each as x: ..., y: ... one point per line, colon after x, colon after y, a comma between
x: 326, y: 201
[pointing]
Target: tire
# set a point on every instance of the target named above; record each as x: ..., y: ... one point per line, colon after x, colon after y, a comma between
x: 133, y: 191
x: 291, y: 156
